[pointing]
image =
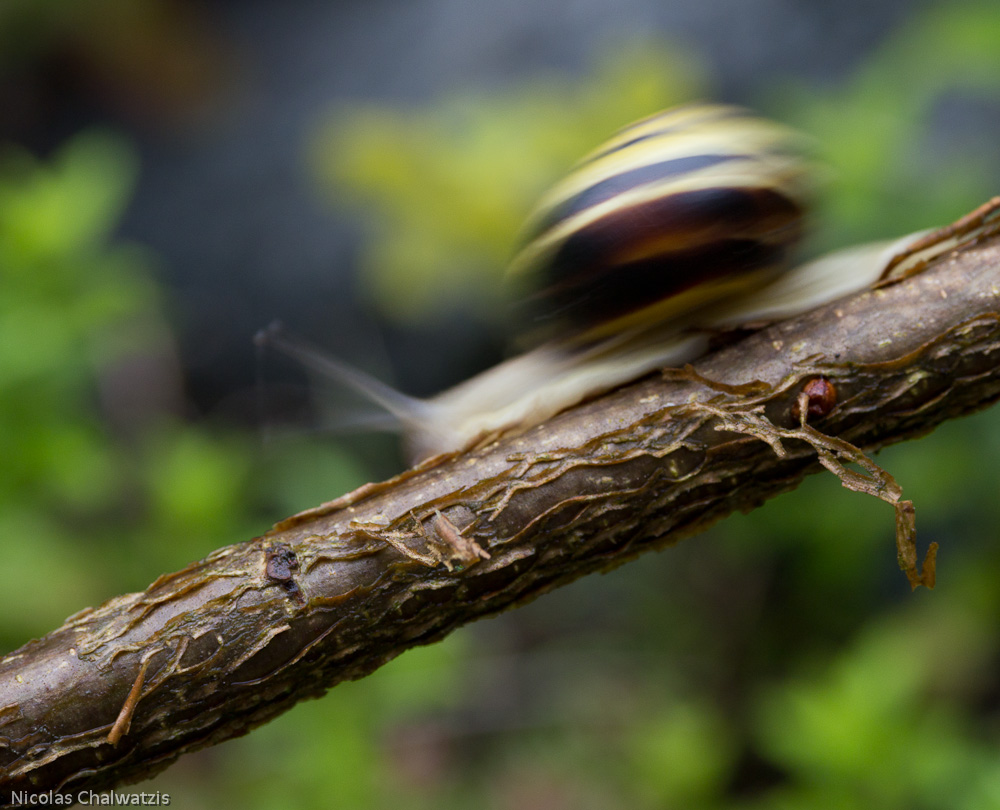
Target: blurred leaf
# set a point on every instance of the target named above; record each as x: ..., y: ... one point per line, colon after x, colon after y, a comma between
x: 45, y: 577
x: 69, y: 206
x: 682, y: 756
x: 196, y: 481
x: 862, y: 724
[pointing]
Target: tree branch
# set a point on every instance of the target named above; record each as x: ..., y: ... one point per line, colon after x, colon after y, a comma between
x: 211, y: 651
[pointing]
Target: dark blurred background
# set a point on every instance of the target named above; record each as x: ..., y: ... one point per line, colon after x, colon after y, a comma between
x: 176, y: 175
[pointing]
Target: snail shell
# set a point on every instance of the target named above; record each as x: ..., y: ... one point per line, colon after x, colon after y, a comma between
x: 673, y: 213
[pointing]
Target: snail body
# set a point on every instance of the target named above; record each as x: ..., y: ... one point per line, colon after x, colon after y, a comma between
x: 529, y: 388
x: 682, y: 223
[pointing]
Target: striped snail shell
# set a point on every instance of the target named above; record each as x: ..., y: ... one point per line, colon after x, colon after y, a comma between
x: 676, y: 211
x: 683, y: 222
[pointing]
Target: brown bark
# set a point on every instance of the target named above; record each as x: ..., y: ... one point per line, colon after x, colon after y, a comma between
x: 211, y: 651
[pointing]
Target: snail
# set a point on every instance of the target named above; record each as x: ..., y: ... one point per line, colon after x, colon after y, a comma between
x: 682, y: 223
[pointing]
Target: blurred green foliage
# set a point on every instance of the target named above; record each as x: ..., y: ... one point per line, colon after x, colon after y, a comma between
x: 100, y: 489
x: 898, y: 162
x: 778, y: 662
x: 66, y: 296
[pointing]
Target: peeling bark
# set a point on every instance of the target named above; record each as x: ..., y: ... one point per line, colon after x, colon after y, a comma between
x: 209, y: 652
